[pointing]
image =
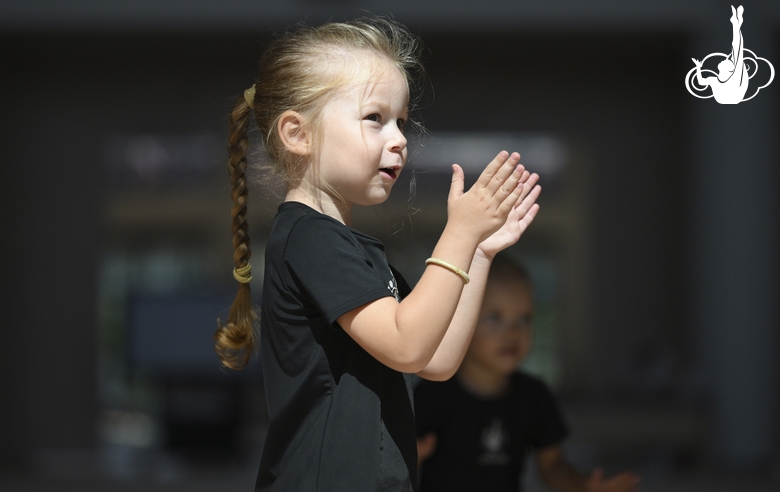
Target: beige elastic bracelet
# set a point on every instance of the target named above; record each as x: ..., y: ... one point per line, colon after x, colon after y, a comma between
x: 450, y: 267
x: 249, y: 96
x: 243, y: 274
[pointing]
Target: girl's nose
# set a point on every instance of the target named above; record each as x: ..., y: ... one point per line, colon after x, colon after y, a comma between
x: 397, y: 141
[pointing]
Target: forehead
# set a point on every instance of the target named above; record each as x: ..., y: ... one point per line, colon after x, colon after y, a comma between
x: 508, y: 294
x: 367, y: 74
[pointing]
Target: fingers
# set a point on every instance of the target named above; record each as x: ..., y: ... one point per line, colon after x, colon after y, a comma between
x: 492, y: 168
x: 498, y: 171
x: 529, y: 185
x: 526, y: 203
x: 506, y: 177
x: 458, y: 179
x: 529, y: 193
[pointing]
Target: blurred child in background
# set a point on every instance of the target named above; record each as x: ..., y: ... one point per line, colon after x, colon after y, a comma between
x: 474, y: 430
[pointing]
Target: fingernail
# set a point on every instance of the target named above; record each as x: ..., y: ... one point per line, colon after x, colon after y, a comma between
x: 503, y: 154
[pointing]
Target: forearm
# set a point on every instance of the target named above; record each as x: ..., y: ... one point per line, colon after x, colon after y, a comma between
x: 451, y: 350
x: 699, y: 78
x: 424, y: 316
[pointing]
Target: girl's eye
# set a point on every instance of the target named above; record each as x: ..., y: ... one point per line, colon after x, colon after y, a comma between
x: 400, y: 122
x: 373, y: 117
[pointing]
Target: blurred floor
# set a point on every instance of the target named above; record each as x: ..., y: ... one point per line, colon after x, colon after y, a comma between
x: 243, y: 481
x: 131, y: 470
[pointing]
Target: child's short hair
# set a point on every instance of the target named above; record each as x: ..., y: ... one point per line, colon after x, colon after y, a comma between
x: 299, y: 71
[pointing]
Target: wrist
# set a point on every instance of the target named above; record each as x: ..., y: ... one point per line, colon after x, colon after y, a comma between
x: 460, y: 235
x: 483, y: 258
x: 456, y: 248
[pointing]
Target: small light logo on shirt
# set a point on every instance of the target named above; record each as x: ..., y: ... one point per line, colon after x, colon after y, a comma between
x: 392, y: 286
x: 494, y: 439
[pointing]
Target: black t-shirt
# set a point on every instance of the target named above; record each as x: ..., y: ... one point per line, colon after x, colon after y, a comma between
x: 339, y: 419
x: 482, y: 443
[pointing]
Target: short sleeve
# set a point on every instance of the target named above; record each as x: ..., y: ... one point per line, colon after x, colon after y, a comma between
x: 403, y: 287
x: 331, y: 267
x: 552, y: 429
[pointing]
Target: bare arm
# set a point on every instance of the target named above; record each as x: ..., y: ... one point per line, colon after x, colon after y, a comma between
x: 450, y: 353
x: 701, y: 80
x: 404, y: 336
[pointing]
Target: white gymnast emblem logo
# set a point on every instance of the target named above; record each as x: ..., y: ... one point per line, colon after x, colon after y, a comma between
x: 392, y: 286
x: 730, y: 84
x: 494, y: 440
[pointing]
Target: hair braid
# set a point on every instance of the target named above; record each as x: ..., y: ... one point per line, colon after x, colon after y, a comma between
x: 299, y: 71
x: 234, y: 340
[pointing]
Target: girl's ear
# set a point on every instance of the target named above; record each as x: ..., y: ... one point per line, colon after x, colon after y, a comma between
x: 294, y: 133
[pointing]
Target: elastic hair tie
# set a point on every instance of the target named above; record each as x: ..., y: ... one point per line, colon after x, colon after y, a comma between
x: 243, y: 274
x: 463, y: 275
x: 249, y: 96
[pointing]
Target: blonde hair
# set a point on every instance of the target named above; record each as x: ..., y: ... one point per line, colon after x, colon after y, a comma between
x: 299, y: 71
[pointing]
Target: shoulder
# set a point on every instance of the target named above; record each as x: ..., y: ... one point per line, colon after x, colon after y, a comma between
x: 306, y: 232
x: 305, y: 222
x: 532, y: 386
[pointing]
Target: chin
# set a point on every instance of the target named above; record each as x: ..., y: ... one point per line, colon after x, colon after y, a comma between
x: 376, y: 200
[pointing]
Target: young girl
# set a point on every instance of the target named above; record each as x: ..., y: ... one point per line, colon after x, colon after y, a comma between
x: 340, y: 330
x: 476, y: 429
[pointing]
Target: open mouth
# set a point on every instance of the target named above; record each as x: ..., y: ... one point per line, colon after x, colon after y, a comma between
x: 389, y: 172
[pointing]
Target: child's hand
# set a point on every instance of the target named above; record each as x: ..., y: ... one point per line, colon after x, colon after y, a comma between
x: 625, y: 482
x: 482, y: 210
x: 426, y: 445
x: 518, y: 220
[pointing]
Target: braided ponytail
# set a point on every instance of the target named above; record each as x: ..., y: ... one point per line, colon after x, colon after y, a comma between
x: 235, y: 340
x: 299, y: 71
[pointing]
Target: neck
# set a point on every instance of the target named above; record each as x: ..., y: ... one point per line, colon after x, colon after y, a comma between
x: 482, y: 382
x: 321, y: 202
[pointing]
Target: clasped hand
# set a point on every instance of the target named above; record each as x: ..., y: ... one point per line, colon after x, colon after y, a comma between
x: 499, y: 206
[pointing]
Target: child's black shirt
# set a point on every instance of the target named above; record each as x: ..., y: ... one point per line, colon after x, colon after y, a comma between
x: 482, y: 443
x: 339, y: 419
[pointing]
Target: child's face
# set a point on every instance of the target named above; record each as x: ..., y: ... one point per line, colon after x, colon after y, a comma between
x: 503, y: 334
x: 363, y: 148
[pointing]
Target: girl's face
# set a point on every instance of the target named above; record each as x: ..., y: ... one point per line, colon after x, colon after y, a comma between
x: 503, y: 335
x: 363, y: 148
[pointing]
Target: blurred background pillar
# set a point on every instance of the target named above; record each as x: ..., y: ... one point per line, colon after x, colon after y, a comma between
x: 51, y: 221
x: 735, y: 255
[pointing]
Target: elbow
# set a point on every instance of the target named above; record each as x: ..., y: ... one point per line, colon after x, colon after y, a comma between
x: 438, y: 372
x: 411, y: 361
x: 436, y: 376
